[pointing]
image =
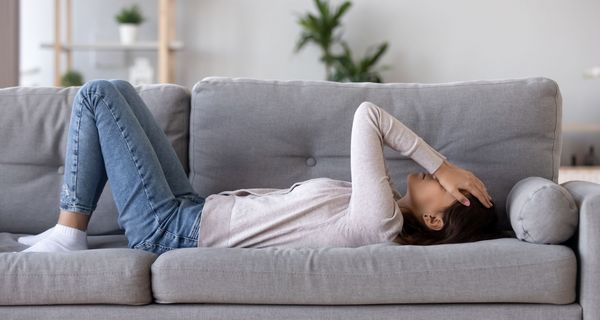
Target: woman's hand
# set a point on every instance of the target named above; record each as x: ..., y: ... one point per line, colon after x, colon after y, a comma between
x: 454, y: 179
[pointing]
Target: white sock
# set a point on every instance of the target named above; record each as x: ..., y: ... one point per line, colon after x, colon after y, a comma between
x: 31, y: 240
x: 61, y: 238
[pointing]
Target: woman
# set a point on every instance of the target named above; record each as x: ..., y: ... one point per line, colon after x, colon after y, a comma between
x: 113, y: 136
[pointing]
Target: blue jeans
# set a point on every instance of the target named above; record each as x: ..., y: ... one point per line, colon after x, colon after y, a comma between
x: 113, y: 136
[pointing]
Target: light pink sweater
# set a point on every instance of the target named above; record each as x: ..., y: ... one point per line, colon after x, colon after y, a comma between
x: 324, y: 212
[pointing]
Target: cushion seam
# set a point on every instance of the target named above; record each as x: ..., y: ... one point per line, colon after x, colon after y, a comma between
x: 552, y: 187
x: 520, y: 215
x: 555, y: 128
x: 544, y: 263
x: 280, y: 82
x: 25, y: 274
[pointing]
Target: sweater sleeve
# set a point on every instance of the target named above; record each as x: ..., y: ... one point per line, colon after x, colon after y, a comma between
x: 402, y: 139
x: 372, y: 202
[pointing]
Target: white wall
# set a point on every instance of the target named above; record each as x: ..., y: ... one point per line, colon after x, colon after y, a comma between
x: 430, y: 41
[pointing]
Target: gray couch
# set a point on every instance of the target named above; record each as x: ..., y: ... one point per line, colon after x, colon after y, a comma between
x: 235, y: 133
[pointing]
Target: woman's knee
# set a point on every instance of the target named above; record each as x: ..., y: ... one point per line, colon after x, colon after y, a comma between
x: 366, y: 110
x: 95, y: 85
x: 95, y: 91
x: 122, y: 85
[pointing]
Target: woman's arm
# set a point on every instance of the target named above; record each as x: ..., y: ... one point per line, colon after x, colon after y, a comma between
x: 372, y: 202
x: 372, y: 197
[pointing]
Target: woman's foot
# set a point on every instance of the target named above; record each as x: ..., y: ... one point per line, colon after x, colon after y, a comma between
x: 31, y: 240
x: 61, y: 238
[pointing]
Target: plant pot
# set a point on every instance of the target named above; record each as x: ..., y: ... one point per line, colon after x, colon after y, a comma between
x: 128, y: 32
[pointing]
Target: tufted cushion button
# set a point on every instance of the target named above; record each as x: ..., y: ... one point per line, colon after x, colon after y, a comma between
x: 61, y: 170
x: 310, y: 161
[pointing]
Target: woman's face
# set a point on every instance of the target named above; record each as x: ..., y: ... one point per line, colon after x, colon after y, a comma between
x: 428, y: 198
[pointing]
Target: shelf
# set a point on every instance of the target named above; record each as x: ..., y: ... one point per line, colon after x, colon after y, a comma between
x: 582, y: 173
x: 165, y: 46
x: 115, y: 46
x: 579, y: 168
x: 581, y: 127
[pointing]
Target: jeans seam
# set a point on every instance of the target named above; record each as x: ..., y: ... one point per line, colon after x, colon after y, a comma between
x: 178, y: 236
x: 146, y: 244
x: 76, y: 155
x: 76, y: 151
x: 194, y: 232
x: 196, y: 226
x: 128, y: 147
x: 71, y: 195
x: 77, y: 208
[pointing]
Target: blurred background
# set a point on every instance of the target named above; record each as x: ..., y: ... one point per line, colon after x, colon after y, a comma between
x: 182, y: 41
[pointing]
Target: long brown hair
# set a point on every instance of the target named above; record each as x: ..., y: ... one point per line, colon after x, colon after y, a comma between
x: 461, y: 224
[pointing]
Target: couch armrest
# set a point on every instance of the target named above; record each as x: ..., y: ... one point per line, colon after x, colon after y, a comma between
x: 587, y: 197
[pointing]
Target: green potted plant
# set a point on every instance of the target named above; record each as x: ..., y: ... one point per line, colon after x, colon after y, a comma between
x: 323, y: 29
x: 129, y: 19
x: 346, y: 69
x: 71, y: 78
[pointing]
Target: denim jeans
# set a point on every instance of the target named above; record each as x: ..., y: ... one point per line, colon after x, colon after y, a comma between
x: 113, y: 137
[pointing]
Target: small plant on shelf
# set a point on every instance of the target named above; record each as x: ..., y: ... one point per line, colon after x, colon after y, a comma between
x: 131, y: 15
x: 71, y: 78
x: 129, y: 19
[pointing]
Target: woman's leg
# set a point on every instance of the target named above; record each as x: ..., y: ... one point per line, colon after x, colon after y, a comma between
x: 172, y: 168
x: 107, y: 141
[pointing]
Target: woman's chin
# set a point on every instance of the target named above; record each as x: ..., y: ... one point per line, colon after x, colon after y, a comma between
x: 410, y: 181
x: 411, y: 177
x: 413, y: 181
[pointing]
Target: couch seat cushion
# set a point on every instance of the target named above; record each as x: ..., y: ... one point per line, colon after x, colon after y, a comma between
x: 499, y: 270
x: 100, y: 275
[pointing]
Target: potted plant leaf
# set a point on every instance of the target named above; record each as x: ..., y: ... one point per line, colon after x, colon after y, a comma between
x: 129, y: 19
x: 324, y: 30
x: 347, y: 69
x: 71, y: 78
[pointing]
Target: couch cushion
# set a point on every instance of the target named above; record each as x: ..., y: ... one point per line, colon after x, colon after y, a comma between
x: 542, y: 211
x: 500, y: 270
x: 33, y: 136
x: 115, y: 276
x: 249, y: 133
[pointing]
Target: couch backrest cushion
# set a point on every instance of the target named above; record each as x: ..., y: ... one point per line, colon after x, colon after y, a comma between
x: 250, y: 133
x: 33, y: 136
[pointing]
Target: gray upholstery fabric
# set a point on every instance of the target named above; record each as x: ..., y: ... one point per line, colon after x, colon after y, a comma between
x: 542, y: 211
x: 500, y: 270
x: 266, y: 312
x: 263, y: 133
x: 115, y: 276
x: 271, y: 133
x: 33, y: 133
x: 587, y: 197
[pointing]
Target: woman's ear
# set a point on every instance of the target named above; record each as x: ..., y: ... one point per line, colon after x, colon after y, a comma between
x: 433, y: 221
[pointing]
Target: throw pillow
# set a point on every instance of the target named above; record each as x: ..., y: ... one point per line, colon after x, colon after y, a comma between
x: 542, y: 211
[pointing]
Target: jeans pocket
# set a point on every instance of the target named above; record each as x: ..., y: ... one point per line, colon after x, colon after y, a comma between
x: 181, y: 225
x: 162, y: 240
